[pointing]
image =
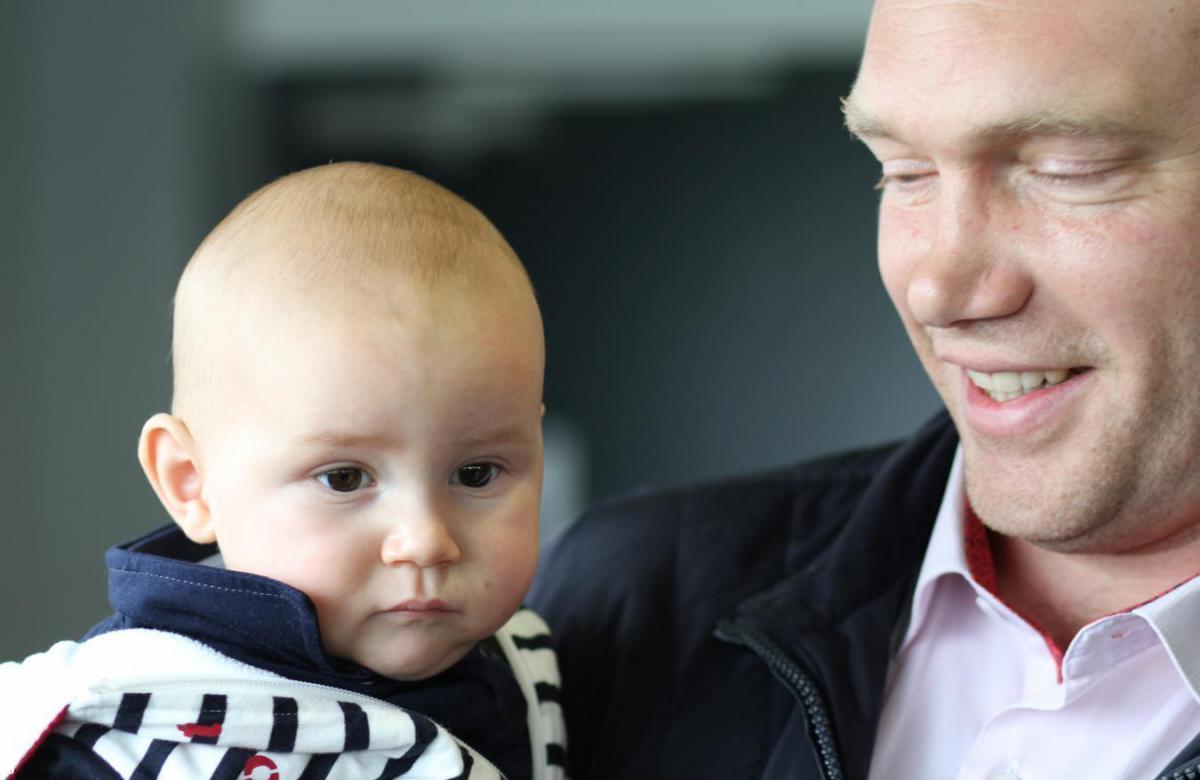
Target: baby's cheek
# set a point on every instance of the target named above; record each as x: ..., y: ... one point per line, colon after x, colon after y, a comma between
x: 292, y: 569
x: 509, y: 576
x: 329, y: 574
x: 337, y: 617
x: 325, y: 581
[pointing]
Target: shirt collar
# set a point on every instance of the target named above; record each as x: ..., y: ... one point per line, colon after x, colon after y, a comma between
x: 1173, y: 618
x: 1171, y: 615
x: 946, y: 554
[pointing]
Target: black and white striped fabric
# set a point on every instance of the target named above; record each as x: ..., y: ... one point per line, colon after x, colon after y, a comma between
x: 158, y: 705
x: 526, y: 642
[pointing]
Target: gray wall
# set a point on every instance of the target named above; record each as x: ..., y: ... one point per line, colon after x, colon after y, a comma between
x: 707, y: 274
x: 705, y: 265
x: 103, y: 193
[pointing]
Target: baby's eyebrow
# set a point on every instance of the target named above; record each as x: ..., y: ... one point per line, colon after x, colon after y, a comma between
x: 508, y: 434
x: 335, y: 438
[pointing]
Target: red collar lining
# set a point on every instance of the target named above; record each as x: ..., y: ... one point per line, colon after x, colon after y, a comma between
x: 981, y: 563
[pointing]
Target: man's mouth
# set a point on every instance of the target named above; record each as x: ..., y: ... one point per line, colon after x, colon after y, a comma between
x: 1004, y: 386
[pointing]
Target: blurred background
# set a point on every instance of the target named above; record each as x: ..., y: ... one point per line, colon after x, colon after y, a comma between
x: 674, y: 173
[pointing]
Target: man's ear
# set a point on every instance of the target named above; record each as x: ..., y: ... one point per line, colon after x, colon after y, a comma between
x: 168, y: 456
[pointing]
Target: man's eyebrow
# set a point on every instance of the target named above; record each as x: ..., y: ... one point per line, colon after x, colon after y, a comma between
x: 860, y: 122
x: 864, y: 124
x: 1062, y: 125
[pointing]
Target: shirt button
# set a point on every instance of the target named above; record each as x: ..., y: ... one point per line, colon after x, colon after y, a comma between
x: 986, y: 606
x: 1009, y: 773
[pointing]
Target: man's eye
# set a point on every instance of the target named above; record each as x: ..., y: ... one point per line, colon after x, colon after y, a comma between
x: 904, y: 181
x: 1075, y: 178
x: 475, y: 475
x: 906, y: 175
x: 344, y: 480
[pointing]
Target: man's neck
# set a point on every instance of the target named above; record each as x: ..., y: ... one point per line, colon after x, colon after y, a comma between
x: 1063, y: 592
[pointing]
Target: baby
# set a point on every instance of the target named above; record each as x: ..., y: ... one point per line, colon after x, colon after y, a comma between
x: 356, y: 425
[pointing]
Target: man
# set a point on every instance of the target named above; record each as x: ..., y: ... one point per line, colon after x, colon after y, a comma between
x: 1009, y: 593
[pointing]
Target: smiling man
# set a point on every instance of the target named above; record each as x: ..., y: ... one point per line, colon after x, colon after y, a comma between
x: 1010, y: 593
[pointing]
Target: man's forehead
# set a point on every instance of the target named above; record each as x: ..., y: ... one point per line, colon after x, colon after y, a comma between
x: 1003, y: 68
x: 1111, y: 28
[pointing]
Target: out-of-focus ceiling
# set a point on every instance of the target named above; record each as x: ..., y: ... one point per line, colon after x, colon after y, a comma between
x: 599, y: 42
x: 456, y: 78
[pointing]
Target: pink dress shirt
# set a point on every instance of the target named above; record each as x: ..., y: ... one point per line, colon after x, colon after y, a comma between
x: 976, y: 693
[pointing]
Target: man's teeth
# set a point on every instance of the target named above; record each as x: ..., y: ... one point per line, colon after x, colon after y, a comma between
x: 1007, y: 385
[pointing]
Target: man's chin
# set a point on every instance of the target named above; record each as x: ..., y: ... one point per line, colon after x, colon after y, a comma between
x: 1044, y: 513
x: 1015, y: 494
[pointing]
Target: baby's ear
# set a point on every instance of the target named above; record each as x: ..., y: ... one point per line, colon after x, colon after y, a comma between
x: 168, y: 456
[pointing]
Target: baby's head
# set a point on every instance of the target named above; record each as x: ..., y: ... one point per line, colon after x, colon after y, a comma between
x: 358, y: 363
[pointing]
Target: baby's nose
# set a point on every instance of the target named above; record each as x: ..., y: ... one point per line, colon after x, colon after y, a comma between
x: 422, y: 540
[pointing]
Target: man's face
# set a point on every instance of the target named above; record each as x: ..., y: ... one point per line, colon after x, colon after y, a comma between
x: 1039, y: 233
x: 386, y: 460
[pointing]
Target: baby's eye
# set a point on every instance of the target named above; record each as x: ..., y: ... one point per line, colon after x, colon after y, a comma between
x: 475, y: 475
x: 344, y: 480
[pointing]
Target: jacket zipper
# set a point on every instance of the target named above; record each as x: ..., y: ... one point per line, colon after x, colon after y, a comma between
x: 1190, y: 771
x: 805, y: 690
x: 796, y: 680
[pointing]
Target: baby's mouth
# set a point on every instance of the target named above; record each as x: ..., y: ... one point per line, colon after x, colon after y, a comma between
x: 1004, y: 386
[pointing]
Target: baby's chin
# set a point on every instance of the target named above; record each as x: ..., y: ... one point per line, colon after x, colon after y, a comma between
x: 413, y: 666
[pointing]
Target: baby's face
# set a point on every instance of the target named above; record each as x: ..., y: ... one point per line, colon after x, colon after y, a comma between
x: 387, y: 461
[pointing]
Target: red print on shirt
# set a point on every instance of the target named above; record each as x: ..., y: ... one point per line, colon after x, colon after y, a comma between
x: 256, y: 761
x: 192, y: 730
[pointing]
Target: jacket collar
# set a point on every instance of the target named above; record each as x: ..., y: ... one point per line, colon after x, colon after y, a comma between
x: 160, y: 581
x: 841, y: 615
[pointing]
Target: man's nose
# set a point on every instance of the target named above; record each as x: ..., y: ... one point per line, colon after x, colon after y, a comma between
x: 970, y: 269
x: 422, y: 538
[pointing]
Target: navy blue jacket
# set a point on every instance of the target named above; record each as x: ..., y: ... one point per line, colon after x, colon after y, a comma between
x: 157, y: 582
x: 743, y: 629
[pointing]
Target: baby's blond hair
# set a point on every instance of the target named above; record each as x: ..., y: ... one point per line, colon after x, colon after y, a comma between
x: 322, y: 236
